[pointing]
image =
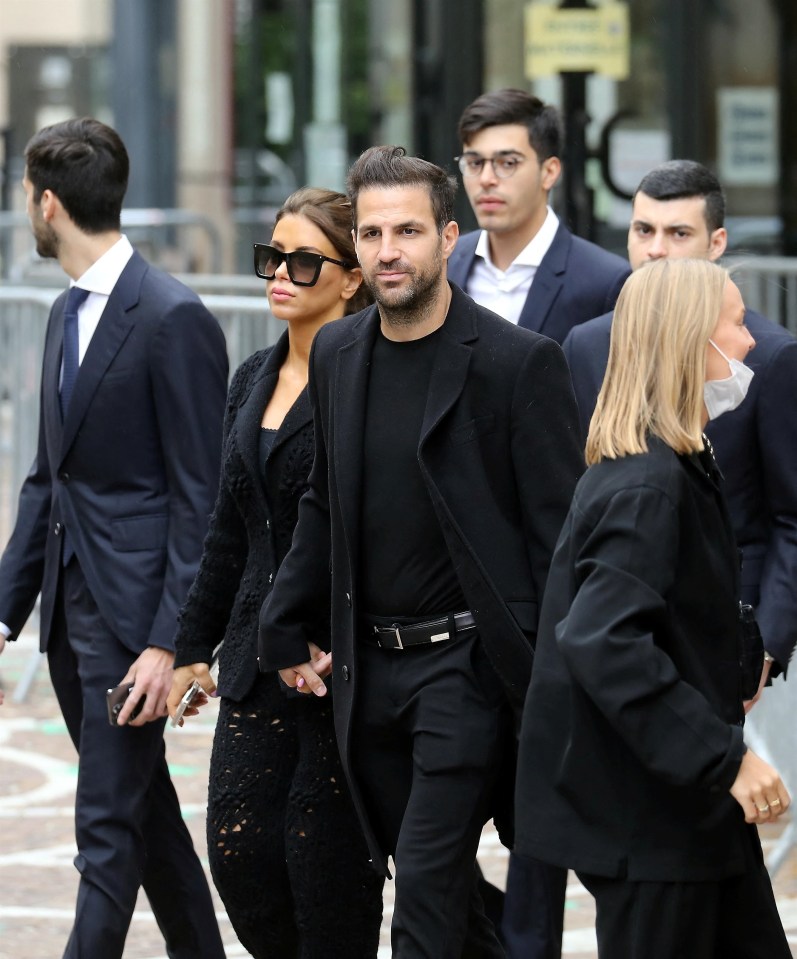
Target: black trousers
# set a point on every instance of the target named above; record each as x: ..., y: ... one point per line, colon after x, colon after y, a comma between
x: 430, y: 730
x: 533, y: 917
x: 733, y: 918
x: 128, y: 826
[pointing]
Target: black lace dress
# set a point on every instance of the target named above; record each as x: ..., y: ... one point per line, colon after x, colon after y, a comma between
x: 285, y: 847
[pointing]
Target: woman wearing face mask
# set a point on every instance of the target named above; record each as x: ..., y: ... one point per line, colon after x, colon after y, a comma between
x: 633, y: 768
x: 285, y: 847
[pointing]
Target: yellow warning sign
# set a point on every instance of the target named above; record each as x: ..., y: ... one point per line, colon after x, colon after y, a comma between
x: 595, y: 41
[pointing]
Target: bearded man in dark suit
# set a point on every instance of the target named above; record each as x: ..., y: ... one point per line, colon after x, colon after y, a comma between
x: 109, y: 528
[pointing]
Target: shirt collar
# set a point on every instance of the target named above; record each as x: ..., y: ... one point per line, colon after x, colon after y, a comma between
x: 103, y: 275
x: 534, y: 251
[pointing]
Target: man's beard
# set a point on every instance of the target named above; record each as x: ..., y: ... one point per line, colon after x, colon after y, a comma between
x: 410, y: 304
x: 46, y: 239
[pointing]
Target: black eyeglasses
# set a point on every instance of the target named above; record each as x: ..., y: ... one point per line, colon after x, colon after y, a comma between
x: 304, y: 268
x: 504, y: 164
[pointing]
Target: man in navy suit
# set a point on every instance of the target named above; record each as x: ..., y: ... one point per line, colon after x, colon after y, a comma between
x: 524, y: 264
x: 529, y: 268
x: 110, y: 527
x: 679, y: 210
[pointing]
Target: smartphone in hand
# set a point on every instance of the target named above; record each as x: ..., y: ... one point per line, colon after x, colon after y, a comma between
x: 191, y: 693
x: 116, y: 698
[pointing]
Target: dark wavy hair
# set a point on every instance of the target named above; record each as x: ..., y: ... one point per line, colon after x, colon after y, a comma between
x: 509, y: 106
x: 331, y: 213
x: 389, y: 166
x: 85, y: 164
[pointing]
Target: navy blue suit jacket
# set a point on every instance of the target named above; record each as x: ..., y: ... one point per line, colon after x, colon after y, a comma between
x: 131, y: 473
x: 756, y: 448
x: 575, y: 281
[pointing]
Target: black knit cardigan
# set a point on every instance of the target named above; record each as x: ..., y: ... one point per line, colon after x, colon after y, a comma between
x: 251, y: 527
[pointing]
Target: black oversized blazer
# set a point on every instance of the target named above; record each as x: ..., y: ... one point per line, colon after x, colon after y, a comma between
x: 251, y: 527
x: 500, y: 458
x: 631, y: 735
x: 756, y: 447
x: 130, y: 474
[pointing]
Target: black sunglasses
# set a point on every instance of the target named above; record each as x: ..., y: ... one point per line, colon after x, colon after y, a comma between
x: 304, y: 268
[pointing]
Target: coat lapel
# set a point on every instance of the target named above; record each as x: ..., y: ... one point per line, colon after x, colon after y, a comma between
x: 451, y: 362
x: 461, y: 261
x: 51, y: 371
x: 351, y: 395
x: 116, y: 322
x: 250, y: 413
x: 547, y: 284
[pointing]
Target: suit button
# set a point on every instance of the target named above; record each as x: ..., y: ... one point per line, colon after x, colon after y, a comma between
x: 345, y: 673
x: 57, y: 529
x: 348, y: 598
x: 268, y: 524
x: 64, y: 477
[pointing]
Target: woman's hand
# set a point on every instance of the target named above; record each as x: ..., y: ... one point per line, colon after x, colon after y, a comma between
x: 309, y: 677
x: 759, y: 791
x: 184, y: 677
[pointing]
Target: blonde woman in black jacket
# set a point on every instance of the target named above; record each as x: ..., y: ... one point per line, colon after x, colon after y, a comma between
x: 286, y: 850
x: 633, y: 768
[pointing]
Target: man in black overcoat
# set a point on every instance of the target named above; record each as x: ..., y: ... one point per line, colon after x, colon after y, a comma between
x: 446, y: 457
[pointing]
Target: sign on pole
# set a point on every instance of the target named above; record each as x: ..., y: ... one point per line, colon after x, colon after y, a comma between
x: 577, y: 41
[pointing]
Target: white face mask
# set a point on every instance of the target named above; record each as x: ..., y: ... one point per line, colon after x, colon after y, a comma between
x: 722, y: 396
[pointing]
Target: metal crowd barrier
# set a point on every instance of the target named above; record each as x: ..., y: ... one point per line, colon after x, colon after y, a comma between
x: 768, y: 285
x: 177, y: 237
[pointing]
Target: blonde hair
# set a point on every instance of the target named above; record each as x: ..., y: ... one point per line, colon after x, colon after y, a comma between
x: 665, y: 314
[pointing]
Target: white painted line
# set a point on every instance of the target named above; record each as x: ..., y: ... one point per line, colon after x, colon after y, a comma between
x: 41, y: 912
x: 61, y: 777
x: 47, y: 856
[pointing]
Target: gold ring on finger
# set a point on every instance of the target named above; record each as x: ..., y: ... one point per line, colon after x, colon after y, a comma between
x: 762, y: 808
x: 775, y: 802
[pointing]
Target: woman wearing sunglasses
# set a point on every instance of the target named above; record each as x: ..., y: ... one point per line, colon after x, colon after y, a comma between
x: 285, y: 848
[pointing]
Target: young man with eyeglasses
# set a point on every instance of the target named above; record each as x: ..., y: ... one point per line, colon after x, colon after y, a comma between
x: 524, y: 264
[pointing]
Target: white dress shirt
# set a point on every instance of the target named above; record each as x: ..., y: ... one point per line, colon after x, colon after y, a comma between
x: 505, y: 291
x: 99, y: 279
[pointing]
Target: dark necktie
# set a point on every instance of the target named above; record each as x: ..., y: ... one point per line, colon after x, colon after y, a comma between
x: 74, y: 300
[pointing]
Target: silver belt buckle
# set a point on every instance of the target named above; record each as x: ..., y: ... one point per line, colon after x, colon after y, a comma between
x: 398, y: 637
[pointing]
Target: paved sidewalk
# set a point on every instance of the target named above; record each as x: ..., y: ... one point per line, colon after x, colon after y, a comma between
x: 38, y: 881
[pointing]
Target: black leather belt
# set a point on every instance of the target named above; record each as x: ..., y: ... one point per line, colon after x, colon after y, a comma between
x: 396, y: 636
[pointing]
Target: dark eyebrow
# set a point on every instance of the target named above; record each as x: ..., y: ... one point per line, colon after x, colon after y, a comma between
x: 498, y: 153
x: 299, y: 249
x: 410, y: 225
